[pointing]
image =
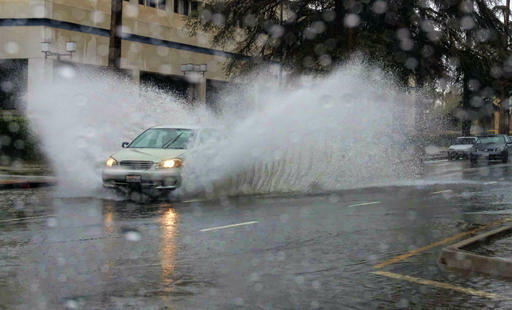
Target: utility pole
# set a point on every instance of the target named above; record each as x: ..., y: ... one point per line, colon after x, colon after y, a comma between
x: 282, y: 42
x: 507, y: 16
x: 116, y: 21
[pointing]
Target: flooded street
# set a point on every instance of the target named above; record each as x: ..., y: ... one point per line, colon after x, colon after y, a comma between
x: 323, y: 251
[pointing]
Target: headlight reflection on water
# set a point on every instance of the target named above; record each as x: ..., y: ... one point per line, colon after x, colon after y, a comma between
x: 168, y: 224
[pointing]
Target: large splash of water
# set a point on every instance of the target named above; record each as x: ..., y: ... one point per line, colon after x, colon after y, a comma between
x: 346, y: 130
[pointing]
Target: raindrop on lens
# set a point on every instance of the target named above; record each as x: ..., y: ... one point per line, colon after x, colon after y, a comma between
x: 316, y: 284
x: 239, y: 301
x: 67, y: 72
x: 379, y: 7
x: 467, y: 23
x: 11, y: 48
x: 71, y: 304
x: 132, y: 235
x: 351, y: 20
x: 51, y: 222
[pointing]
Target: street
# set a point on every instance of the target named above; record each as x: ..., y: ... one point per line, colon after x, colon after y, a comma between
x: 368, y: 248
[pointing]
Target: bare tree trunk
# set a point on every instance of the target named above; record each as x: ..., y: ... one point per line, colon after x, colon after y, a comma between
x: 116, y: 21
x: 338, y: 29
x: 466, y: 120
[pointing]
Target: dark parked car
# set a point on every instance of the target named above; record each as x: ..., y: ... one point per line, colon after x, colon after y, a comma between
x: 491, y: 147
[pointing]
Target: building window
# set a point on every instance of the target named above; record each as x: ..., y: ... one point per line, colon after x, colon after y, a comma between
x: 181, y: 7
x: 194, y: 8
x: 159, y: 4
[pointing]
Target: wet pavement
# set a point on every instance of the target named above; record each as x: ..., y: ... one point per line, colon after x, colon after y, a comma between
x: 497, y: 246
x: 326, y: 251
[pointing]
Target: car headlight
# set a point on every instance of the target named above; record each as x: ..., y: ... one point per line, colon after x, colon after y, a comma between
x: 110, y: 162
x: 170, y: 163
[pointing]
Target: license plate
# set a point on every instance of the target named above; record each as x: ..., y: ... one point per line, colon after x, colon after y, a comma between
x: 133, y: 178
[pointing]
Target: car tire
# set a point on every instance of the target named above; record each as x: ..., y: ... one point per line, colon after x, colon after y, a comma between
x: 472, y: 159
x: 505, y: 157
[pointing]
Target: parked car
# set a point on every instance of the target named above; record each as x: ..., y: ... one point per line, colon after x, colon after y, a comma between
x: 152, y: 162
x: 491, y: 147
x: 461, y: 148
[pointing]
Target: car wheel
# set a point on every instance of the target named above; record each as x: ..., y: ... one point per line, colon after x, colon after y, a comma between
x: 472, y: 159
x: 505, y: 157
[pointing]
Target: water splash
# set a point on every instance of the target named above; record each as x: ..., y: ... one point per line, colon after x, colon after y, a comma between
x: 346, y: 130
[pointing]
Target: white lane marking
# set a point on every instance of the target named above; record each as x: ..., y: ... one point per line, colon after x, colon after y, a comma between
x: 25, y: 218
x: 491, y: 182
x: 194, y: 200
x: 501, y: 203
x: 444, y: 191
x: 433, y: 161
x: 229, y: 226
x: 498, y: 212
x: 364, y: 204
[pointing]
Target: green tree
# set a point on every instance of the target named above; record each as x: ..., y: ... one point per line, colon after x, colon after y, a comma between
x: 462, y: 40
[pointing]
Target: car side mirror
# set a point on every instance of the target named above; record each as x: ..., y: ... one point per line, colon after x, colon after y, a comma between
x: 125, y: 144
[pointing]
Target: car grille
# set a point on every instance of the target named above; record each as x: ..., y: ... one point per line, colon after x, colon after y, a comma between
x: 136, y: 164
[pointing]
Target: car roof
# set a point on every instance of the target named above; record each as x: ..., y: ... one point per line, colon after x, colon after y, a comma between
x: 178, y: 127
x: 191, y: 127
x: 491, y: 135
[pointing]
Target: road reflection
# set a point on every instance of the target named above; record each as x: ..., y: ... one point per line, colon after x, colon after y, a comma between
x: 168, y: 224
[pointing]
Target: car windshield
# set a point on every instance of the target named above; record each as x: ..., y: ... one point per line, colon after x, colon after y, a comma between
x: 163, y: 138
x: 494, y: 139
x: 465, y: 141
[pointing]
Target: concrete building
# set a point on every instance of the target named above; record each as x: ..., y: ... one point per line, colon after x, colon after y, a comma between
x: 155, y: 44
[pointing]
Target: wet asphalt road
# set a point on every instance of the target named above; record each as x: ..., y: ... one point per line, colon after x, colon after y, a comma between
x: 295, y: 252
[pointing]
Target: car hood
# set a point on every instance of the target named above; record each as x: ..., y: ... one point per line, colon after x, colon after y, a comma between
x: 461, y: 147
x: 155, y: 155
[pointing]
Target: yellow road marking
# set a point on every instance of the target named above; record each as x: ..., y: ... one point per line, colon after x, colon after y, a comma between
x: 447, y: 286
x: 11, y: 181
x: 25, y: 218
x: 399, y: 258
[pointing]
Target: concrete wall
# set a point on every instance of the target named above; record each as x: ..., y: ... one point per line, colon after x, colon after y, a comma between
x: 156, y: 41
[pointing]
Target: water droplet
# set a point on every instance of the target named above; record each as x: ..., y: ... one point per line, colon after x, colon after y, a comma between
x: 51, y: 222
x: 380, y: 7
x: 132, y: 235
x: 351, y: 20
x: 71, y: 304
x: 299, y: 279
x: 11, y: 47
x: 315, y: 284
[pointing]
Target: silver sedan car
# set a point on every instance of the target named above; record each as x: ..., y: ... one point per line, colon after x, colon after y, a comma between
x: 152, y: 162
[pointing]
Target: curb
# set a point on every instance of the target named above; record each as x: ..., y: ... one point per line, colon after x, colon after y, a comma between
x: 455, y: 257
x: 25, y: 182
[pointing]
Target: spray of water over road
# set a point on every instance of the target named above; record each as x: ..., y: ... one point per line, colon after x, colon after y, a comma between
x: 345, y: 130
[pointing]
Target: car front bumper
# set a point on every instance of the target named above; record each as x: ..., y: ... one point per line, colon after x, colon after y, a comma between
x: 151, y: 179
x: 488, y: 155
x: 458, y: 154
